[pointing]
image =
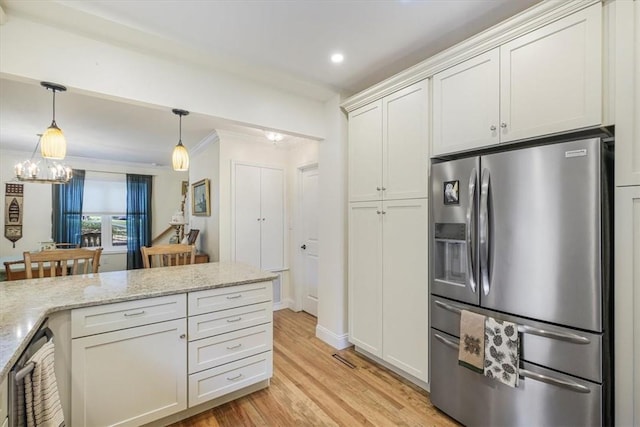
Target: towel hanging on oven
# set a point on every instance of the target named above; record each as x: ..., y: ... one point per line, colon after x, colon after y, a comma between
x: 42, y: 402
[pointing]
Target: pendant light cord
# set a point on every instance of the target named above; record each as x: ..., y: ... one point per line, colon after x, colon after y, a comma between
x: 180, y: 136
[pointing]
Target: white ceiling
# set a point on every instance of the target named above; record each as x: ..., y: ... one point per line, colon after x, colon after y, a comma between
x: 286, y: 43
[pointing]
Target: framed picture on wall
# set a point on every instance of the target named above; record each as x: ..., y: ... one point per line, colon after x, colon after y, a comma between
x: 200, y: 198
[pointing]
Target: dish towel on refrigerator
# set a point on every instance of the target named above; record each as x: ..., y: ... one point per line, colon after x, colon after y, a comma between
x: 43, y: 406
x: 502, y: 351
x: 471, y: 350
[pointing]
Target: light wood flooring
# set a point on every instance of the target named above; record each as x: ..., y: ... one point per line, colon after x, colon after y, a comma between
x: 311, y: 388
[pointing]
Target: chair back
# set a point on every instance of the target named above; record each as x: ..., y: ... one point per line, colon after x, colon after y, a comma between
x: 61, y: 262
x: 14, y: 270
x: 67, y: 245
x: 168, y: 255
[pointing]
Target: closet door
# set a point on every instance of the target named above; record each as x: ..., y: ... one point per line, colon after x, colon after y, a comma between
x: 247, y: 215
x: 272, y: 219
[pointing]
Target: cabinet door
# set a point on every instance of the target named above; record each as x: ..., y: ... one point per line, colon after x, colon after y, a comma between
x: 129, y: 377
x: 466, y: 104
x: 627, y: 304
x: 405, y: 147
x: 405, y: 286
x: 247, y: 217
x: 365, y: 153
x: 627, y: 92
x: 365, y: 276
x: 272, y: 219
x: 551, y: 78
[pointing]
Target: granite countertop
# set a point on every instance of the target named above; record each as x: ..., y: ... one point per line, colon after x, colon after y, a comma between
x: 24, y: 304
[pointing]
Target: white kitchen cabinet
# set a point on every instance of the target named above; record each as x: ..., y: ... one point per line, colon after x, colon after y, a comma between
x: 627, y: 92
x: 4, y: 402
x: 627, y: 306
x: 405, y: 286
x: 548, y: 81
x: 258, y: 216
x: 388, y: 282
x: 388, y: 147
x: 365, y: 276
x: 466, y: 104
x: 131, y: 376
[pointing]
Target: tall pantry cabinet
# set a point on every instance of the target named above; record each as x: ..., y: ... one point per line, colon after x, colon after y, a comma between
x: 388, y: 185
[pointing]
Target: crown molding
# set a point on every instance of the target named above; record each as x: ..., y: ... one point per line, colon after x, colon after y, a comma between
x: 522, y: 23
x: 210, y: 139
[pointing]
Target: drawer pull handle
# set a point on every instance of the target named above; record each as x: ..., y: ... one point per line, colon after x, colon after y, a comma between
x: 137, y: 313
x: 234, y: 378
x: 237, y: 319
x: 233, y: 347
x: 235, y: 296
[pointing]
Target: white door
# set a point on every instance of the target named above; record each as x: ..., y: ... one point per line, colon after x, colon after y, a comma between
x: 272, y: 219
x: 365, y: 276
x: 365, y: 153
x: 466, y: 106
x: 129, y: 377
x: 551, y: 78
x: 405, y: 286
x: 405, y: 143
x: 309, y: 242
x: 247, y: 215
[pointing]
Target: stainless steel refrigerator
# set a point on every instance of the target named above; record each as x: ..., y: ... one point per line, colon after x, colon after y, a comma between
x: 524, y: 235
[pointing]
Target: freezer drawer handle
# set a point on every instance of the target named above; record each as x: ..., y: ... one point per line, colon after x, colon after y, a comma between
x: 447, y: 342
x: 561, y: 336
x: 569, y: 385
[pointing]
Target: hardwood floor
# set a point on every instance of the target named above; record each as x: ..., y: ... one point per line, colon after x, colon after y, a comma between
x: 311, y: 388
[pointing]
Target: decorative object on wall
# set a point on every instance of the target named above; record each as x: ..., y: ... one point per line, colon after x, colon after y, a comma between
x: 51, y: 172
x: 54, y: 144
x: 13, y: 205
x: 180, y: 158
x: 200, y: 198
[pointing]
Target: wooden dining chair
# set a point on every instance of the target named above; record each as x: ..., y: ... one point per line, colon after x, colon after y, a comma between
x: 61, y: 262
x: 168, y: 255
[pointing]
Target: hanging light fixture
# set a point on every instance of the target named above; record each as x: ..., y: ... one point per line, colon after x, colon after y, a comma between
x: 53, y: 144
x: 180, y: 158
x: 50, y: 173
x: 274, y: 137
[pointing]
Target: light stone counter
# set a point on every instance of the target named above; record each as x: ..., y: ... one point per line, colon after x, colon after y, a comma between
x: 25, y: 304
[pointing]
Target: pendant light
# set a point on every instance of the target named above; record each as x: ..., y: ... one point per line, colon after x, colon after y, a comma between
x: 180, y: 158
x: 53, y: 144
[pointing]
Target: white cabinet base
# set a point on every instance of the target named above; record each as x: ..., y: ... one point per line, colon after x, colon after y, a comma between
x: 423, y: 385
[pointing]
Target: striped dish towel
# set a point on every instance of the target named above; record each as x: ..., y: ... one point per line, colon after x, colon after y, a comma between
x: 43, y: 406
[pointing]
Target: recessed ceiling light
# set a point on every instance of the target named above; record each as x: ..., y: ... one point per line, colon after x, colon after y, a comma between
x: 337, y: 58
x: 273, y: 136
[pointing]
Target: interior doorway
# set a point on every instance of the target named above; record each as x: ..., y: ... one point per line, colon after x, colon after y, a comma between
x: 308, y: 237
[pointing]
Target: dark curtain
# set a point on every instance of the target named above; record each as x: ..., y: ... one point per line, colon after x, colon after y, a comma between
x: 138, y: 217
x: 66, y: 219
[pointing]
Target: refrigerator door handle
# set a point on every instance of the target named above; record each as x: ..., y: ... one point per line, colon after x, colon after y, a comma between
x: 484, y: 231
x: 470, y: 214
x: 569, y: 385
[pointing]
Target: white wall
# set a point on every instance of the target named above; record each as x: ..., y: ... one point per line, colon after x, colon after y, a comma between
x: 205, y: 164
x: 332, y: 275
x: 37, y: 203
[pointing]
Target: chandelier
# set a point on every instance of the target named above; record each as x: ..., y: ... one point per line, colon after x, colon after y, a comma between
x: 43, y: 170
x: 180, y: 157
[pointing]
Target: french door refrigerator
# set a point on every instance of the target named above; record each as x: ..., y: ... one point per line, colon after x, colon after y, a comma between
x: 524, y: 235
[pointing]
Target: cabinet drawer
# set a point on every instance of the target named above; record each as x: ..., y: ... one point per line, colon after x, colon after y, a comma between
x: 229, y: 297
x: 111, y: 317
x: 212, y: 383
x: 220, y: 322
x: 215, y: 351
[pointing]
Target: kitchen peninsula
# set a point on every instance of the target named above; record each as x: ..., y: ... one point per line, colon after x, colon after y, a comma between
x: 205, y: 328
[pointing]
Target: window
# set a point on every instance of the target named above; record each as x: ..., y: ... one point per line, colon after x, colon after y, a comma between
x: 104, y: 220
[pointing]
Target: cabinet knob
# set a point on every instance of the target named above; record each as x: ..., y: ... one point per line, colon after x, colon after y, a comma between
x: 503, y: 125
x: 303, y: 247
x: 378, y: 188
x: 183, y: 336
x: 378, y: 212
x: 384, y: 212
x: 493, y: 127
x: 384, y: 189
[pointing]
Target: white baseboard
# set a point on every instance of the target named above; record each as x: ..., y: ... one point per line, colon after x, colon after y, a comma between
x: 336, y: 341
x: 285, y: 303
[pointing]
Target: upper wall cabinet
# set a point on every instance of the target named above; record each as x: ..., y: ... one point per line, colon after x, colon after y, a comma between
x: 388, y: 148
x: 547, y: 81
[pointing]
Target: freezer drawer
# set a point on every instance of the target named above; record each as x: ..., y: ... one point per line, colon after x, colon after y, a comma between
x: 577, y: 353
x: 542, y: 398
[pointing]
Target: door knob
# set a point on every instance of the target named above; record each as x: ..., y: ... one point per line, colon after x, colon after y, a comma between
x: 503, y: 125
x: 493, y: 127
x: 303, y: 247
